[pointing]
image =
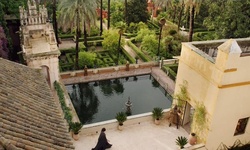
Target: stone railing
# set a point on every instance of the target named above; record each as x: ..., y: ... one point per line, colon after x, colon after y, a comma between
x: 131, y: 120
x: 170, y: 61
x: 132, y: 67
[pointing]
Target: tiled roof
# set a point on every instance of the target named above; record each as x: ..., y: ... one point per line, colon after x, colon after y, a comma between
x: 29, y: 115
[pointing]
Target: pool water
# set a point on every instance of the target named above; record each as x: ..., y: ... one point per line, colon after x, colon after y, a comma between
x: 101, y: 100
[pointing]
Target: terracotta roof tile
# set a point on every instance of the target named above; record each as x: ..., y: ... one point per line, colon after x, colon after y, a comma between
x: 29, y: 115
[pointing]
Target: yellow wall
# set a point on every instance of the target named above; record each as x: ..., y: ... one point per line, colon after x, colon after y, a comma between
x: 223, y: 86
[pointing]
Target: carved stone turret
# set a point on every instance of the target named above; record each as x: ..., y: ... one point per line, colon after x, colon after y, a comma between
x: 38, y: 40
x: 33, y: 15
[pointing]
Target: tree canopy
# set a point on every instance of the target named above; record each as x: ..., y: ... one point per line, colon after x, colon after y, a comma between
x: 233, y: 22
x: 137, y: 11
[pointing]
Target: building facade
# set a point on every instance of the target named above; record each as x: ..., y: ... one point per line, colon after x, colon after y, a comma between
x: 217, y: 78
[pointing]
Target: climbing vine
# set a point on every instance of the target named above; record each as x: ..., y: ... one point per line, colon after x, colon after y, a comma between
x: 200, y: 121
x: 182, y: 96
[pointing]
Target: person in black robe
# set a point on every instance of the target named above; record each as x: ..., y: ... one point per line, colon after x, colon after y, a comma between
x: 102, y: 143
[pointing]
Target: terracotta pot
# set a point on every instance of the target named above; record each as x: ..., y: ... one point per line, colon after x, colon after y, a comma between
x: 157, y: 121
x: 75, y: 136
x: 120, y: 127
x: 192, y: 139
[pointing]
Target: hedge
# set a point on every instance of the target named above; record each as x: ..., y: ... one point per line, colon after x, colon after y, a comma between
x: 130, y: 58
x: 130, y: 35
x: 168, y: 69
x: 138, y: 52
x: 90, y: 38
x: 69, y: 59
x: 153, y: 25
x: 95, y: 43
x: 66, y: 36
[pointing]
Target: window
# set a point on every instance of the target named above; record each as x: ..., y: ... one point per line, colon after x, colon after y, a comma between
x: 241, y: 126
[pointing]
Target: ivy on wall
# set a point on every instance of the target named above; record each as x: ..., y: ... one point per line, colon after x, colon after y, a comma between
x: 182, y: 96
x: 66, y: 110
x: 200, y: 117
x: 200, y: 121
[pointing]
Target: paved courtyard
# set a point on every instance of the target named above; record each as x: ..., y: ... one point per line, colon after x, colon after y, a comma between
x: 143, y: 136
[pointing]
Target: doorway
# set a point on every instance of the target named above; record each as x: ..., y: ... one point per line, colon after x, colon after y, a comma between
x: 187, y: 117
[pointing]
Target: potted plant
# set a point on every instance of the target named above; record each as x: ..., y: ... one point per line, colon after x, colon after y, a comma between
x: 75, y: 128
x: 121, y: 117
x: 157, y: 114
x: 181, y: 141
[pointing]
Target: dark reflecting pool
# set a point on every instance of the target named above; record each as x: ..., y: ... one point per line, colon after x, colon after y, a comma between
x: 101, y: 100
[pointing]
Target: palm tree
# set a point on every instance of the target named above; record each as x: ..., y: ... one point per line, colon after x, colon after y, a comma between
x: 194, y: 7
x: 180, y: 13
x: 126, y: 12
x: 101, y: 7
x: 73, y: 13
x: 108, y: 14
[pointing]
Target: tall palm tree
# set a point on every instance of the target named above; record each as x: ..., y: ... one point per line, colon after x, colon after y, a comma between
x: 101, y: 19
x: 194, y: 7
x: 73, y: 13
x: 126, y: 12
x: 108, y: 14
x: 180, y: 13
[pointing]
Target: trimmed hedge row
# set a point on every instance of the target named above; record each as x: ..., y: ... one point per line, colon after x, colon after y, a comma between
x: 66, y: 110
x: 130, y: 58
x: 93, y: 38
x: 138, y: 52
x: 169, y: 69
x: 66, y: 36
x: 95, y: 43
x: 90, y: 38
x: 153, y: 25
x: 130, y: 35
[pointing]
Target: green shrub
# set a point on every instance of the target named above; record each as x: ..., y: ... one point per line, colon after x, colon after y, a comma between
x: 66, y: 109
x: 69, y: 58
x: 87, y: 58
x: 171, y: 70
x: 172, y: 32
x: 181, y: 141
x: 121, y: 117
x: 82, y: 47
x: 157, y: 113
x: 75, y: 127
